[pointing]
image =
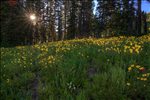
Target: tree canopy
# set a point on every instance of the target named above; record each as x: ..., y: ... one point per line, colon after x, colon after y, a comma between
x: 69, y: 19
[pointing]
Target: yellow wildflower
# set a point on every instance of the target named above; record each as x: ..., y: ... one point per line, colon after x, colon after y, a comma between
x: 137, y: 50
x: 132, y: 65
x: 144, y: 79
x: 130, y: 68
x: 128, y: 84
x: 142, y: 68
x: 138, y: 77
x: 144, y: 75
x: 125, y: 47
x: 131, y: 51
x: 137, y: 66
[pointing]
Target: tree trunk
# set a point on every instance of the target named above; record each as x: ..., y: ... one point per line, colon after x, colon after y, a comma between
x: 145, y: 23
x: 139, y: 18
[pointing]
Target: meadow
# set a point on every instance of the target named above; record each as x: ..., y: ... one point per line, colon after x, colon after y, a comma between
x: 79, y: 69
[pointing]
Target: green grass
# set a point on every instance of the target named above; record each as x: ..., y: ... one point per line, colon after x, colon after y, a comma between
x: 80, y: 69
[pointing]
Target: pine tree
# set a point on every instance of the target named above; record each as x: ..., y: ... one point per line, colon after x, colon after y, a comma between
x: 72, y: 20
x: 139, y: 17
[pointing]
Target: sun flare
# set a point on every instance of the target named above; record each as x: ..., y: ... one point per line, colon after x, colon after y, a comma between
x: 33, y: 17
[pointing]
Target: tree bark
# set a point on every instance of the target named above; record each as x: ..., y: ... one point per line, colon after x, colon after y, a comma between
x: 139, y: 18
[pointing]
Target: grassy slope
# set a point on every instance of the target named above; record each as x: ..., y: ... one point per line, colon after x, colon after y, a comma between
x: 116, y: 68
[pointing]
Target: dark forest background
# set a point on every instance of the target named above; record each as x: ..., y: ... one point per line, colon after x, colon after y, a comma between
x: 69, y: 19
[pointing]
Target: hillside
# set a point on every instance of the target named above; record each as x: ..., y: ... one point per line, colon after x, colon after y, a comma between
x: 79, y: 69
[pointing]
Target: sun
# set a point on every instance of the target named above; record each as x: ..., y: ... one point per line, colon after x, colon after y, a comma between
x: 33, y: 17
